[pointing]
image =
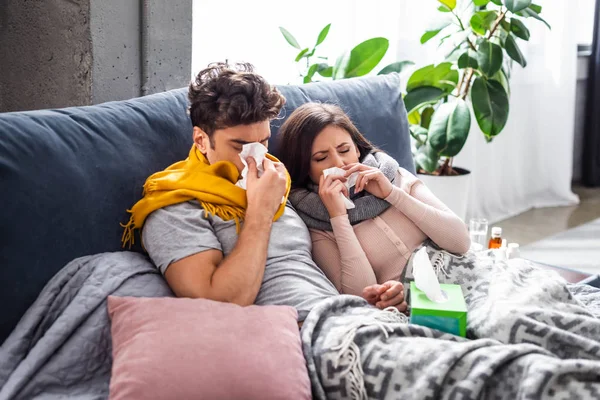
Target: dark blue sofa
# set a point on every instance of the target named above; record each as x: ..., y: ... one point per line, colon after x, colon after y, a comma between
x: 68, y: 175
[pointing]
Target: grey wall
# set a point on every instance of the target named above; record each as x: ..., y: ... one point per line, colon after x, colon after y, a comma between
x: 115, y: 32
x: 59, y: 53
x: 45, y: 54
x: 167, y: 25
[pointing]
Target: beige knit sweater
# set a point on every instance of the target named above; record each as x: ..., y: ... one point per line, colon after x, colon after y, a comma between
x: 377, y: 250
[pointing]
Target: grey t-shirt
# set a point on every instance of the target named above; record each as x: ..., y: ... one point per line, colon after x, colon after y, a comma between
x: 291, y: 277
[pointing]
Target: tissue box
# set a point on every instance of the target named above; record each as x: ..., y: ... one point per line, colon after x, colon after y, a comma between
x: 449, y: 316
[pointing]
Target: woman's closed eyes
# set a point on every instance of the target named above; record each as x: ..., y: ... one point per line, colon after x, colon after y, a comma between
x: 325, y: 157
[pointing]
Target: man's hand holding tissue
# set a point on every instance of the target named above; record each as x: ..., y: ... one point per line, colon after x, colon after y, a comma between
x: 389, y: 294
x: 265, y: 193
x: 330, y: 188
x: 370, y: 179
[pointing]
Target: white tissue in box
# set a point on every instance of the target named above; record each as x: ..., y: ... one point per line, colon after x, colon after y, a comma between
x: 335, y: 171
x: 258, y: 152
x: 425, y: 278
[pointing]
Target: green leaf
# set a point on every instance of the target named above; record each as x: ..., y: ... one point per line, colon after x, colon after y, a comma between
x: 513, y: 51
x: 398, y: 67
x: 449, y: 128
x: 444, y: 9
x: 311, y: 72
x: 414, y: 118
x: 365, y: 56
x: 482, y: 21
x: 441, y: 76
x: 528, y: 12
x: 426, y: 117
x: 468, y: 60
x: 422, y: 95
x: 436, y: 27
x: 489, y: 57
x: 451, y: 4
x: 323, y: 34
x: 427, y: 36
x: 427, y: 158
x: 497, y: 2
x: 339, y: 70
x: 301, y: 54
x: 419, y: 134
x: 535, y: 8
x: 290, y: 38
x: 501, y: 77
x: 515, y: 6
x: 519, y: 29
x: 481, y: 3
x: 325, y: 72
x: 490, y: 104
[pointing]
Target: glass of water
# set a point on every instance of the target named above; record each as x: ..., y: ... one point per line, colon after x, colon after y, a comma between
x: 478, y: 229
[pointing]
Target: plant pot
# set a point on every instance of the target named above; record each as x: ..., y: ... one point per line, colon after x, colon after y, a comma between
x: 453, y: 191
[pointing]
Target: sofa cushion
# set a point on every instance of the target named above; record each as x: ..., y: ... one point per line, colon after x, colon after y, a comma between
x: 68, y: 175
x: 166, y: 348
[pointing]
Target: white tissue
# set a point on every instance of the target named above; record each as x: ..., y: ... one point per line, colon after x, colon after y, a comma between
x: 258, y: 152
x: 335, y: 171
x: 425, y: 277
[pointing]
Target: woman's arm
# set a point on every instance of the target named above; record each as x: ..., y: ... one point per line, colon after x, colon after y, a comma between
x: 342, y: 258
x: 425, y: 210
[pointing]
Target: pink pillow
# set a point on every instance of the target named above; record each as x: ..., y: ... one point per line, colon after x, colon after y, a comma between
x: 170, y: 348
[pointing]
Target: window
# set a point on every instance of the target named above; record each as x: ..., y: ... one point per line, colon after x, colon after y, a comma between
x: 241, y: 30
x: 585, y: 21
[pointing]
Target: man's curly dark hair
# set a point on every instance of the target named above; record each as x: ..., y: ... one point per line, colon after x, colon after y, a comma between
x: 223, y: 96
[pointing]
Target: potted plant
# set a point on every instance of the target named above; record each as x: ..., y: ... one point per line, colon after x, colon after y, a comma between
x: 482, y: 35
x: 440, y: 99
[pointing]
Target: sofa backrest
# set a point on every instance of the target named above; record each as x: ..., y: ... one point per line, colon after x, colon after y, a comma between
x: 69, y: 175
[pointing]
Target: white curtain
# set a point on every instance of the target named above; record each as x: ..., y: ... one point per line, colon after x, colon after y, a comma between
x: 528, y: 165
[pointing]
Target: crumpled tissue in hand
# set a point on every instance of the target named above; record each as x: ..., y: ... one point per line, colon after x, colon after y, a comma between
x: 350, y: 182
x: 258, y: 152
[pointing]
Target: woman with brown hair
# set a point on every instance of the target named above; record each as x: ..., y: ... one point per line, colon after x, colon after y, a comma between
x: 362, y: 250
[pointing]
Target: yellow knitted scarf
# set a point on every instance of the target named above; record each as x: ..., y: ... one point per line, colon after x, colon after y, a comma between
x: 194, y: 178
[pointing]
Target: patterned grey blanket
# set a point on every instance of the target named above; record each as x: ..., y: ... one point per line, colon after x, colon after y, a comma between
x: 530, y: 336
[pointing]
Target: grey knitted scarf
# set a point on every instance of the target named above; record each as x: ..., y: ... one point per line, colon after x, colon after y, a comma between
x: 311, y: 209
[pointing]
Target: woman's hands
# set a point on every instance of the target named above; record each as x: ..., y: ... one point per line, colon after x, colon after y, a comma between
x: 389, y: 294
x: 331, y: 190
x: 370, y: 179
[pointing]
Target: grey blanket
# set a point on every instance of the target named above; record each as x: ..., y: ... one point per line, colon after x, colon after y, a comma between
x: 531, y: 336
x: 61, y: 348
x: 542, y: 338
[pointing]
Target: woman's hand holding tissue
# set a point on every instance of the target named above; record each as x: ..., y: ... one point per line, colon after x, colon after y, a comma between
x: 330, y: 188
x: 389, y: 294
x: 370, y: 179
x: 264, y: 194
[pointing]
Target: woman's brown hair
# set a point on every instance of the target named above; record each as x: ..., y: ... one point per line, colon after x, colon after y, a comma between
x: 297, y: 134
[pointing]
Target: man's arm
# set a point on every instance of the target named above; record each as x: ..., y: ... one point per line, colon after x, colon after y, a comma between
x: 237, y: 277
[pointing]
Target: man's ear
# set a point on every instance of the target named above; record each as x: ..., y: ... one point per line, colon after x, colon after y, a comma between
x: 201, y: 140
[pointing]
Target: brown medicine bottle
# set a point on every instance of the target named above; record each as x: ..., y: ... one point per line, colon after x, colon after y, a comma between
x: 496, y: 239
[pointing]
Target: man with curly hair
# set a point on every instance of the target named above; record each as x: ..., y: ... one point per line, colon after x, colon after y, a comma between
x: 210, y: 238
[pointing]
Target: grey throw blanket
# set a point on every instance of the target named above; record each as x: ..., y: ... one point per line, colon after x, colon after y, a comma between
x: 534, y: 337
x: 61, y: 348
x: 311, y: 209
